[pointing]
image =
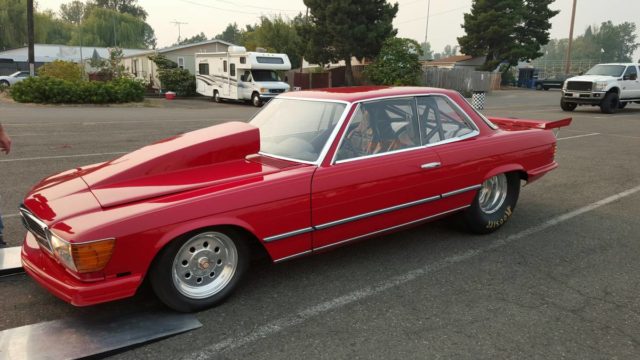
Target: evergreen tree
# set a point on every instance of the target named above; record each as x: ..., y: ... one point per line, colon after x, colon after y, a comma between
x: 348, y: 28
x: 194, y: 39
x: 506, y: 30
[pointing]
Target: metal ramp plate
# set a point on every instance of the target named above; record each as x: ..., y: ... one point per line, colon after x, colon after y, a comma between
x: 10, y: 260
x: 78, y: 338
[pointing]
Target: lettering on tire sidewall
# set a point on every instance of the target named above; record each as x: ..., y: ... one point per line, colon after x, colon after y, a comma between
x: 494, y: 224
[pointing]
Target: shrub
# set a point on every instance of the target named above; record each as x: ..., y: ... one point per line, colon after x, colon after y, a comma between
x: 397, y: 63
x: 172, y: 78
x: 65, y: 70
x: 180, y: 81
x: 57, y: 91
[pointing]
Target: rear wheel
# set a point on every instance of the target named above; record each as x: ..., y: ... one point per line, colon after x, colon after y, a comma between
x: 538, y: 86
x: 4, y: 83
x: 622, y: 105
x: 610, y: 103
x: 567, y: 106
x: 494, y: 203
x: 216, y: 96
x: 199, y: 270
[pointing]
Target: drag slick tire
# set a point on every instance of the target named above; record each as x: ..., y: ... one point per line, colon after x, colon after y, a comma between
x: 200, y: 269
x: 493, y: 204
x: 567, y: 106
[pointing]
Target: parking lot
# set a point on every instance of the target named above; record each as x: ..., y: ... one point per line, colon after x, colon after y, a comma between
x: 560, y: 280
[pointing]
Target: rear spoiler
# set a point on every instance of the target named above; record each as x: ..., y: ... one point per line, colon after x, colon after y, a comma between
x: 521, y: 124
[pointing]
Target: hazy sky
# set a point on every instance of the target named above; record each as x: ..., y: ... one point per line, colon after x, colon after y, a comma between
x: 212, y: 16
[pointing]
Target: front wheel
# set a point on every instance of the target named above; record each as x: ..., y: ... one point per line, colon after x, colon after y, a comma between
x: 567, y: 106
x: 493, y: 204
x: 255, y: 100
x: 610, y: 103
x: 216, y: 96
x: 622, y: 105
x: 199, y: 270
x: 538, y: 86
x: 4, y: 83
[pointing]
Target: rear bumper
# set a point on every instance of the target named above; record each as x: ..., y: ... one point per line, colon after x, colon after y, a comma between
x: 53, y: 277
x: 537, y: 173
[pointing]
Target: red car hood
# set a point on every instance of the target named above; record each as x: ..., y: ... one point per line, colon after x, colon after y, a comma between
x: 189, y: 161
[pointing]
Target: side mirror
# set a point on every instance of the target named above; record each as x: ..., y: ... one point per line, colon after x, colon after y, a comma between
x: 634, y: 76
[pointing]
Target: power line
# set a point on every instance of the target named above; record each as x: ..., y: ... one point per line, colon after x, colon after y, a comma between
x: 432, y: 15
x: 223, y: 9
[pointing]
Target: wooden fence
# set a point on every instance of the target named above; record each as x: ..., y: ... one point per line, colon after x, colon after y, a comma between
x: 462, y: 80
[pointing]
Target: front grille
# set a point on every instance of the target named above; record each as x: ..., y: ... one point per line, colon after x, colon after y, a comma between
x: 36, y: 227
x: 579, y: 85
x: 276, y: 91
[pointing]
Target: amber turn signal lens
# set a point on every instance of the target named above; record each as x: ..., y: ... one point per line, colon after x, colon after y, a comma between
x: 93, y: 256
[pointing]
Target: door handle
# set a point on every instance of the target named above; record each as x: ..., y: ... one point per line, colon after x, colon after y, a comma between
x: 432, y: 165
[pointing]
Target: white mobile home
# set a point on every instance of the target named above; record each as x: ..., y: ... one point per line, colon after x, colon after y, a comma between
x: 241, y: 75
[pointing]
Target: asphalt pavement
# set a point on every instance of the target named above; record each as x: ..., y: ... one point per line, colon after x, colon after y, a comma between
x: 560, y: 280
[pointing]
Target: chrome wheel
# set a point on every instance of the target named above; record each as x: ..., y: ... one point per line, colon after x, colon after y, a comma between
x: 493, y: 193
x: 205, y: 265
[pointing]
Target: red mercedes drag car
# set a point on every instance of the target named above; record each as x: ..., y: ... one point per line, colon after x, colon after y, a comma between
x: 311, y: 171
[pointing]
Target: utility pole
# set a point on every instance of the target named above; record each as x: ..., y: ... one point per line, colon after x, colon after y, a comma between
x: 30, y: 37
x: 567, y: 68
x: 426, y: 30
x: 178, y: 23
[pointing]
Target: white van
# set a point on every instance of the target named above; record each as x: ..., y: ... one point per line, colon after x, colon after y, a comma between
x: 241, y: 75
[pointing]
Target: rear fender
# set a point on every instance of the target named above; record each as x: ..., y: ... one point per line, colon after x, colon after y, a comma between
x: 503, y: 169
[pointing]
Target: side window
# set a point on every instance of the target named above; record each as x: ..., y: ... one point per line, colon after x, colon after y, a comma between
x: 232, y: 69
x: 631, y: 73
x: 224, y: 66
x: 440, y: 120
x: 181, y: 62
x: 243, y: 60
x: 379, y: 127
x: 203, y: 69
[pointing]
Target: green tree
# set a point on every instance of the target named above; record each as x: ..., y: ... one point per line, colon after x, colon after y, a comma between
x: 351, y: 28
x: 109, y: 28
x: 275, y: 34
x: 51, y: 30
x: 427, y: 53
x: 506, y: 30
x: 605, y: 43
x: 13, y: 23
x: 397, y: 63
x: 194, y: 39
x: 231, y: 34
x: 130, y: 7
x: 72, y: 12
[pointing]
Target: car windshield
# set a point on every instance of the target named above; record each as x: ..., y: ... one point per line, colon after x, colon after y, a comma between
x: 297, y: 129
x: 607, y: 70
x: 265, y: 75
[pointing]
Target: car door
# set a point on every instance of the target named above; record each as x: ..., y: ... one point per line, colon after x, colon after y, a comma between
x: 631, y: 83
x: 453, y: 136
x: 381, y: 176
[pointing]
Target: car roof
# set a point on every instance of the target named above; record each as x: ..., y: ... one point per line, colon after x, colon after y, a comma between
x: 360, y: 93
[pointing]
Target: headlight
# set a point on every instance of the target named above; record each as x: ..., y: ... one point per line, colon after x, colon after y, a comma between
x: 84, y: 257
x: 600, y: 86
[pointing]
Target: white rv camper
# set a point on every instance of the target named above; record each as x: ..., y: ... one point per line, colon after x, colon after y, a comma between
x: 241, y: 75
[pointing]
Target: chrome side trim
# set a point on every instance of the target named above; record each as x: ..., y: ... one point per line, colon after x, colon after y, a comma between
x: 377, y: 212
x: 390, y: 228
x: 307, y: 252
x: 460, y: 191
x: 288, y: 234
